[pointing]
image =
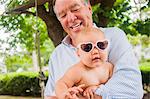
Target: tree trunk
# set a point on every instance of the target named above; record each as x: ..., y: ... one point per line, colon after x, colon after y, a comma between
x: 54, y: 28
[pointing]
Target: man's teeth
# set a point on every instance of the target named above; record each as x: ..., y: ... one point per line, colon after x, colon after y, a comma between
x: 75, y: 25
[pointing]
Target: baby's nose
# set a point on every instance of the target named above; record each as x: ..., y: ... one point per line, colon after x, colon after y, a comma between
x: 95, y: 50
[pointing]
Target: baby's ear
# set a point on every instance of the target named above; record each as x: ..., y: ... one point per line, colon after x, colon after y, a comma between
x: 77, y: 52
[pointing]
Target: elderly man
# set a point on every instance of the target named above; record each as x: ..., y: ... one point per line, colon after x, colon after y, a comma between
x: 75, y: 16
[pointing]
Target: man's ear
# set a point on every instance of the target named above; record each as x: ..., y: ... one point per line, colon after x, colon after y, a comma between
x: 89, y: 6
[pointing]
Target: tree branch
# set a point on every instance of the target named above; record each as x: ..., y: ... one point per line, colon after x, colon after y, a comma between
x: 22, y: 12
x: 30, y: 4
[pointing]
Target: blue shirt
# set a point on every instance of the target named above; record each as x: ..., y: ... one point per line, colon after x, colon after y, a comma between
x: 126, y: 80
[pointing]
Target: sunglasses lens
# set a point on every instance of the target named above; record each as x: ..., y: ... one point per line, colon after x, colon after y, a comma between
x: 102, y: 45
x: 86, y: 47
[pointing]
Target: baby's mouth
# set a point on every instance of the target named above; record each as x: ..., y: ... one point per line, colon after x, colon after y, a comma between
x: 95, y: 59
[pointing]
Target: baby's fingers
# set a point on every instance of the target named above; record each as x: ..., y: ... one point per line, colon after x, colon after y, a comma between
x: 73, y: 90
x: 91, y: 94
x: 68, y: 95
x: 80, y: 87
x: 75, y: 96
x: 86, y: 94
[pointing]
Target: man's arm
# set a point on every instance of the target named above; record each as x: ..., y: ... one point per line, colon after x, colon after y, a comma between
x: 126, y: 80
x: 56, y: 68
x: 49, y: 89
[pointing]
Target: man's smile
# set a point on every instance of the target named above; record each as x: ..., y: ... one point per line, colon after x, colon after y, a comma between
x: 77, y: 26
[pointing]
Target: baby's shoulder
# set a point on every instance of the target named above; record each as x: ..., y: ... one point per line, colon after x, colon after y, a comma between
x: 75, y: 68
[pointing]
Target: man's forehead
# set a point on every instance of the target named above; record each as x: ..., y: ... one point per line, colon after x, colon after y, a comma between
x: 62, y: 5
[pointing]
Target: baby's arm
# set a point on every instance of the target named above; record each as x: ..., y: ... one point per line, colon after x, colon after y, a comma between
x: 111, y: 67
x: 64, y: 92
x: 64, y: 87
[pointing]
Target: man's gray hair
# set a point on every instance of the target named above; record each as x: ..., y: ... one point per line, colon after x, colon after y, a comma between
x: 85, y: 2
x: 53, y: 4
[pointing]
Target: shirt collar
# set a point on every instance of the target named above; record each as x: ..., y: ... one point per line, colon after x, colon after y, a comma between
x: 67, y: 41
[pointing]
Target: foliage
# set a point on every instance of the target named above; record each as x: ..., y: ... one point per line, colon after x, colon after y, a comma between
x: 141, y: 46
x: 145, y: 66
x: 22, y: 84
x: 14, y: 62
x: 115, y: 16
x: 119, y: 16
x: 143, y: 27
x: 46, y: 50
x: 13, y: 3
x: 24, y: 28
x: 23, y: 60
x: 145, y: 70
x: 139, y: 39
x: 118, y: 2
x: 1, y: 77
x: 96, y: 9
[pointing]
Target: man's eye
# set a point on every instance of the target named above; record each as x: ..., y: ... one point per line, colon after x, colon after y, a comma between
x: 62, y: 16
x: 75, y: 9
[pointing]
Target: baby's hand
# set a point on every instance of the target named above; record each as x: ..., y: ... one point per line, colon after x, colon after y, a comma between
x: 73, y: 91
x: 89, y: 92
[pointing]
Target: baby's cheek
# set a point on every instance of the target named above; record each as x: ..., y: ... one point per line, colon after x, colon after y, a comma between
x: 87, y: 60
x: 104, y: 56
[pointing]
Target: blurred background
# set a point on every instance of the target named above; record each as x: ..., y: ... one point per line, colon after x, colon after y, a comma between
x: 29, y: 32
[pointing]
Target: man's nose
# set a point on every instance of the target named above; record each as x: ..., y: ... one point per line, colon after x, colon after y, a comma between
x: 71, y: 17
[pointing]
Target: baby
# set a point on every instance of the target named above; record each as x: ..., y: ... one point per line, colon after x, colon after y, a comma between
x: 82, y: 79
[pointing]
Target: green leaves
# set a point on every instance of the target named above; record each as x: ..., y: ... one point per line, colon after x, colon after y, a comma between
x: 15, y: 62
x: 118, y: 2
x: 139, y: 39
x: 96, y: 9
x: 24, y: 28
x: 143, y: 26
x: 119, y: 16
x: 29, y: 82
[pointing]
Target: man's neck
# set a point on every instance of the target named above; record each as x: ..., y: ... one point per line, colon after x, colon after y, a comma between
x: 72, y: 43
